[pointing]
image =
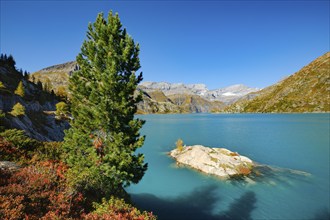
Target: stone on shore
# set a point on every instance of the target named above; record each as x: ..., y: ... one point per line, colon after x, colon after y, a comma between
x: 220, y: 162
x: 8, y: 165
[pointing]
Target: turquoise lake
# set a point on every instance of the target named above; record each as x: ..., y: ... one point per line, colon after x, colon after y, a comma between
x: 289, y: 142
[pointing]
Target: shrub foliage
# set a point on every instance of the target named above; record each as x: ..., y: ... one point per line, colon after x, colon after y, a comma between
x: 179, y: 144
x: 38, y: 191
x: 61, y: 109
x: 115, y: 208
x: 15, y: 145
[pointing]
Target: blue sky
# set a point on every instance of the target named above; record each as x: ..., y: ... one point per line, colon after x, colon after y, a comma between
x: 218, y: 43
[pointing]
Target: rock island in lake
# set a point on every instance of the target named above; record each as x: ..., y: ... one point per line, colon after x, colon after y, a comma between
x: 220, y: 162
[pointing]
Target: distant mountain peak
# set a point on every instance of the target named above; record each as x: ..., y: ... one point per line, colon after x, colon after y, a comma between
x: 64, y: 67
x: 227, y: 94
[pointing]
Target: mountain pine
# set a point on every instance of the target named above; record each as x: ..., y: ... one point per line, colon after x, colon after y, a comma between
x: 20, y: 89
x: 18, y: 110
x: 100, y: 146
x: 2, y: 86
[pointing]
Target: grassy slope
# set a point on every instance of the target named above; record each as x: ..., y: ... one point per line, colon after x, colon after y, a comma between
x: 307, y: 90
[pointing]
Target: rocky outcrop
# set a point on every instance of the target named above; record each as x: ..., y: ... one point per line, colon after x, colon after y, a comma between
x: 35, y: 122
x: 155, y: 102
x: 161, y: 105
x: 38, y: 125
x: 8, y: 166
x: 195, y: 103
x: 220, y: 162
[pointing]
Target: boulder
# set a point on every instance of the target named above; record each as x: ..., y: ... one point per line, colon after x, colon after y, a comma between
x: 220, y: 162
x: 8, y: 165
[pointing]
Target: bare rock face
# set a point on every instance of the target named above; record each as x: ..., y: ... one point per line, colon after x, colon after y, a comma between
x: 40, y: 126
x: 220, y: 162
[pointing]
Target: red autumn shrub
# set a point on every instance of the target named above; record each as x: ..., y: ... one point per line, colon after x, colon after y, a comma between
x: 8, y: 151
x: 38, y: 191
x: 11, y: 207
x: 4, y: 176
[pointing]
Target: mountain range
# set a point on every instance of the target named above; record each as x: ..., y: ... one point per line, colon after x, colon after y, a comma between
x: 158, y: 97
x: 305, y: 91
x: 226, y: 95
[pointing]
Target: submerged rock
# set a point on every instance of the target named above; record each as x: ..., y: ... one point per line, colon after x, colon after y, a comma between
x: 220, y: 162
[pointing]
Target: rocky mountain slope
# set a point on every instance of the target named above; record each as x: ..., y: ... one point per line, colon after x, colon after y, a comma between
x: 36, y: 120
x: 157, y: 102
x: 195, y: 103
x: 308, y: 90
x: 56, y: 77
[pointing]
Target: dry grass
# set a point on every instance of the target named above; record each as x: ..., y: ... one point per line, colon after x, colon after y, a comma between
x: 234, y: 154
x: 244, y: 170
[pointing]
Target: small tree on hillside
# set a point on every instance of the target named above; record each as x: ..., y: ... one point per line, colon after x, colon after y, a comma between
x: 2, y: 114
x: 2, y: 86
x: 61, y: 92
x: 47, y: 85
x: 179, y: 145
x: 61, y: 108
x: 39, y: 84
x: 18, y: 110
x: 33, y: 78
x: 26, y: 75
x: 104, y: 135
x: 20, y: 89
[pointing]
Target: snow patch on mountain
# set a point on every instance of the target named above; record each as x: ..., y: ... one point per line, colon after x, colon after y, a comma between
x: 229, y: 94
